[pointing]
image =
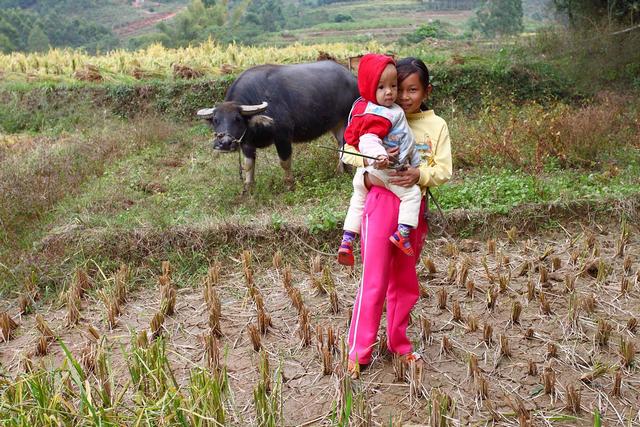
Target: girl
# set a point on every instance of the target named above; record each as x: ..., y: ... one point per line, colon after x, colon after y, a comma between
x: 386, y: 271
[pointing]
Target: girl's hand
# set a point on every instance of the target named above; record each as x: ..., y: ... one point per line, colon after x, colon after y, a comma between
x: 405, y: 178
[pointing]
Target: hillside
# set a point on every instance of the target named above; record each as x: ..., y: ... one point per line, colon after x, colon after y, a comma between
x: 36, y: 26
x: 112, y: 14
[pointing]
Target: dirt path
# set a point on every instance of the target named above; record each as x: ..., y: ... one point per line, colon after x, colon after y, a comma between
x: 136, y: 26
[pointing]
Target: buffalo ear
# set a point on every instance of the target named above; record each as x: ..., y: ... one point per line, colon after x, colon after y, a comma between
x: 260, y: 120
x: 250, y: 110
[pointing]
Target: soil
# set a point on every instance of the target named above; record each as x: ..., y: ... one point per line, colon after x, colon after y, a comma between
x: 136, y: 27
x: 309, y: 395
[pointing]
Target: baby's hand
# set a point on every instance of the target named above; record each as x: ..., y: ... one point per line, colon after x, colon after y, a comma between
x: 381, y: 163
x: 393, y: 152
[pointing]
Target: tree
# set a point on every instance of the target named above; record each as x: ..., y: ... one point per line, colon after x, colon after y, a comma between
x: 580, y: 11
x: 499, y: 17
x: 266, y: 14
x: 37, y: 40
x: 26, y: 30
x: 198, y: 22
x: 6, y: 46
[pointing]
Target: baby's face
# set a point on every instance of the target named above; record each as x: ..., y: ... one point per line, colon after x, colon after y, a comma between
x: 387, y: 90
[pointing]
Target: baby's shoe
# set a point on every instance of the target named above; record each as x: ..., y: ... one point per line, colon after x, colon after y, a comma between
x: 345, y: 253
x: 402, y: 242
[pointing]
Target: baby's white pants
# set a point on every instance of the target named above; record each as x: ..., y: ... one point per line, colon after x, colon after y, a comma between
x: 410, y: 199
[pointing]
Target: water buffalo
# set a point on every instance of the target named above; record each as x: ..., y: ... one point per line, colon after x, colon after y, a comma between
x: 281, y: 104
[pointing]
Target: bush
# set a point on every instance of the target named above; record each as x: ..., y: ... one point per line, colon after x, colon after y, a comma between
x: 432, y: 30
x: 341, y: 17
x: 471, y: 86
x: 533, y: 138
x: 499, y: 17
x: 594, y: 58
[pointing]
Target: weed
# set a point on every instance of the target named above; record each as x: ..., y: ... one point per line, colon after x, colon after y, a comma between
x: 267, y: 397
x: 149, y: 368
x: 208, y: 394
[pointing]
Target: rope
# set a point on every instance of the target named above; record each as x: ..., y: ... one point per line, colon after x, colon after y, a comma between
x: 239, y: 142
x: 240, y: 164
x: 311, y: 247
x: 445, y: 225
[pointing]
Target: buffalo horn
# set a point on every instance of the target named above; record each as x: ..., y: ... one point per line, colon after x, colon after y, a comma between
x: 249, y: 110
x: 206, y: 113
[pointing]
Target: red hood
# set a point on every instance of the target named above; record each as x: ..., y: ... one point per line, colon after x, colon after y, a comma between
x: 369, y: 71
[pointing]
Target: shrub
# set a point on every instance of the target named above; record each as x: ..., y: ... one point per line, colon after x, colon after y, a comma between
x: 595, y: 58
x: 532, y: 137
x: 342, y: 17
x: 499, y: 17
x: 431, y: 30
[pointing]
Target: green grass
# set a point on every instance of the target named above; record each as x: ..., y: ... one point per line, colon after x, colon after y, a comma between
x: 501, y: 191
x: 48, y: 397
x: 201, y: 186
x: 183, y: 183
x: 362, y: 24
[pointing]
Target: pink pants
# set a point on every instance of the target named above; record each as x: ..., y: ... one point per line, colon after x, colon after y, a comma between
x: 386, y: 273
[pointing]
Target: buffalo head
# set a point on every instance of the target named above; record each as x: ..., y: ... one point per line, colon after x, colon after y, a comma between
x: 230, y: 122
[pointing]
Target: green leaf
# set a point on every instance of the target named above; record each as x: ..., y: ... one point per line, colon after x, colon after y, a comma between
x: 597, y: 422
x: 536, y: 390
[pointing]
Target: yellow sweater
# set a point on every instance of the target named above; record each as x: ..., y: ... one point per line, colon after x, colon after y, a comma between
x: 433, y: 144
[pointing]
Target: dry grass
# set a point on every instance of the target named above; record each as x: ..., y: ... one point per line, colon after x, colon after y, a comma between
x: 7, y: 326
x: 35, y: 176
x: 429, y: 265
x: 516, y: 311
x: 156, y: 324
x: 616, y: 390
x: 529, y: 137
x: 442, y: 298
x: 254, y: 335
x: 156, y: 61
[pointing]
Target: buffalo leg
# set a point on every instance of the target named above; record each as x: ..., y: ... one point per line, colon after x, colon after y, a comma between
x: 338, y: 133
x: 285, y: 153
x: 249, y: 167
x: 288, y: 173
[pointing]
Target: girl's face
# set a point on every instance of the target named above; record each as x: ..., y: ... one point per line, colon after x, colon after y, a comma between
x: 411, y: 93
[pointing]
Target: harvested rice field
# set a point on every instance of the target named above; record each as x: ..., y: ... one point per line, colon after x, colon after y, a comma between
x: 517, y: 330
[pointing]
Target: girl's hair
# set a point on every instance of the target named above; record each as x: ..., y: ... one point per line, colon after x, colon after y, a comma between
x: 410, y: 65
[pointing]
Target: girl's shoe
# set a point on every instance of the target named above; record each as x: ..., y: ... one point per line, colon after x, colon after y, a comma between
x: 345, y: 253
x: 403, y: 243
x: 413, y: 357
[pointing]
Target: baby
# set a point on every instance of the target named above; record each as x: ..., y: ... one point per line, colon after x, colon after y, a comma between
x: 376, y: 123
